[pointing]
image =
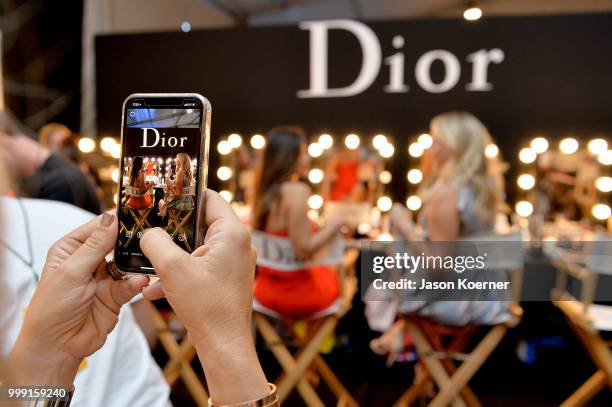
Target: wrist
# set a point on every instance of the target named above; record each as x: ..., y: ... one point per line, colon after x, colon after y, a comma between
x: 36, y: 366
x: 232, y: 369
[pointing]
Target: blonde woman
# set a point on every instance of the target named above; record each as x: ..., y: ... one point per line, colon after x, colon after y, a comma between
x: 463, y: 197
x: 176, y: 198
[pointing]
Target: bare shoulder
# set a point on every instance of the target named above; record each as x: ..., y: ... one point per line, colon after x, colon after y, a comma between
x: 295, y: 191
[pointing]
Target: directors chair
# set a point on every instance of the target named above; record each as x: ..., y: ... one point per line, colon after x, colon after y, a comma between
x: 443, y: 351
x: 587, y: 320
x: 278, y: 253
x: 178, y: 219
x: 139, y: 216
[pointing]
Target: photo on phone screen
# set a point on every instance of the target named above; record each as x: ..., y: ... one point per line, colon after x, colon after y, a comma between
x: 158, y: 178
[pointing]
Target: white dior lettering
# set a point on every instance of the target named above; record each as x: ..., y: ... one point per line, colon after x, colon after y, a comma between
x: 372, y: 60
x: 370, y: 64
x: 451, y: 75
x: 480, y: 63
x: 160, y: 140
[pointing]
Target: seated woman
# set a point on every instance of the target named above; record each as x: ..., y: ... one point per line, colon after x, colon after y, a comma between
x: 142, y: 200
x: 349, y: 176
x: 462, y: 199
x: 176, y: 198
x: 280, y: 208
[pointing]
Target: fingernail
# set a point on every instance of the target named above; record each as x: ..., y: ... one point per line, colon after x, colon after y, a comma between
x: 107, y: 219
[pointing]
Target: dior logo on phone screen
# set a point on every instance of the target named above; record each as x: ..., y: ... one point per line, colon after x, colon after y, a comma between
x: 159, y: 180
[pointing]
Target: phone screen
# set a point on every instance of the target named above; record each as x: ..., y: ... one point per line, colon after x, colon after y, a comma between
x: 158, y: 176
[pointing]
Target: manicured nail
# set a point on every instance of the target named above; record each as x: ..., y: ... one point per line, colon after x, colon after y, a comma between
x: 107, y: 219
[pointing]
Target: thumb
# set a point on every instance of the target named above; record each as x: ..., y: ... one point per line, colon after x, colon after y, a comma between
x: 88, y: 256
x: 162, y: 252
x: 124, y: 290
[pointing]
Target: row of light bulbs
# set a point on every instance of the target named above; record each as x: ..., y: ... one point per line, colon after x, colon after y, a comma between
x: 384, y: 203
x: 316, y: 149
x: 414, y: 175
x: 599, y: 211
x: 352, y: 141
x: 597, y: 147
x: 234, y: 141
x: 569, y: 145
x: 108, y: 145
x: 527, y: 155
x: 225, y: 147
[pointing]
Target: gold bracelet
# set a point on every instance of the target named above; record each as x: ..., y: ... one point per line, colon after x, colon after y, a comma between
x: 271, y: 400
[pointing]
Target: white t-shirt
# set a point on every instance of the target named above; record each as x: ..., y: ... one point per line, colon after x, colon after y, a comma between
x: 122, y: 372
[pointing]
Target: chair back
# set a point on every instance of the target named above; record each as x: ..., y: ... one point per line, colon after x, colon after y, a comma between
x: 599, y: 256
x: 584, y: 266
x: 278, y: 253
x: 503, y: 252
x: 133, y: 191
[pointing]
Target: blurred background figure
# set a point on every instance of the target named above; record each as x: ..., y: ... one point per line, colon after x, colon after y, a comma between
x: 40, y: 173
x: 463, y: 198
x: 350, y: 175
x: 280, y: 208
x: 59, y: 140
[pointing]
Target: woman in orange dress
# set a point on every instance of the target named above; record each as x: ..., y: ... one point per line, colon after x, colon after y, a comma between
x: 350, y: 176
x: 137, y: 180
x: 280, y: 208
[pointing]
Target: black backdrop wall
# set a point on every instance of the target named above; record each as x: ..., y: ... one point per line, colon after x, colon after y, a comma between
x: 555, y: 79
x: 41, y: 58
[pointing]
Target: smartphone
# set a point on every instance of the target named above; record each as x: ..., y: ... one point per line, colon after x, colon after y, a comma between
x: 162, y: 173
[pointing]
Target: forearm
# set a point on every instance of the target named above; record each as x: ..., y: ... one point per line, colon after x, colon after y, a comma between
x: 323, y: 236
x: 27, y: 366
x: 233, y: 372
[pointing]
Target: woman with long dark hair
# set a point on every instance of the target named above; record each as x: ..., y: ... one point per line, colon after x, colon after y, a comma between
x: 280, y: 208
x: 137, y: 180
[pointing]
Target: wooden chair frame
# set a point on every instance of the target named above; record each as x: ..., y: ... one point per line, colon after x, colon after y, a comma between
x: 307, y: 357
x: 179, y: 363
x: 139, y: 216
x: 576, y: 313
x: 438, y: 357
x: 597, y: 348
x: 174, y: 218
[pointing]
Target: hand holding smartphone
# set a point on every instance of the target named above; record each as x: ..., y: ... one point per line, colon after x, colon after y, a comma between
x: 163, y: 173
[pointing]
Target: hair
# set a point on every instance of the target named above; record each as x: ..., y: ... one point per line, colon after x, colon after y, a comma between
x: 48, y: 129
x: 137, y: 164
x: 467, y: 139
x: 184, y: 162
x: 279, y: 162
